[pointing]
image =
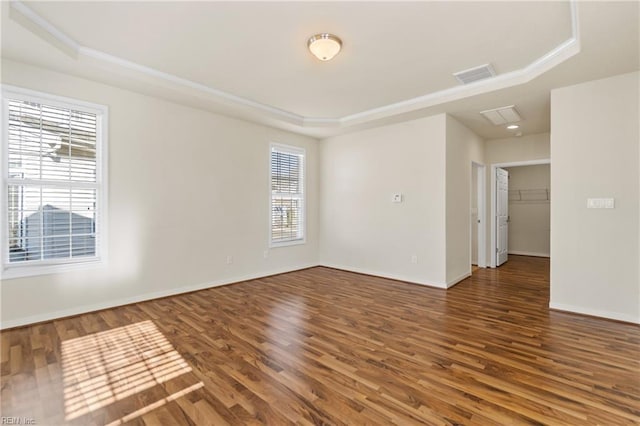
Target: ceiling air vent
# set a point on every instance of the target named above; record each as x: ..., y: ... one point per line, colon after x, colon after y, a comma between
x: 475, y: 74
x: 502, y: 115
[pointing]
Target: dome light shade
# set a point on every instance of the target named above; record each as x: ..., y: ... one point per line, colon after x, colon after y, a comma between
x: 324, y: 46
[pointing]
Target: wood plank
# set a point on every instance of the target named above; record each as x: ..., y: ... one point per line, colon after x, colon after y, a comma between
x: 322, y: 346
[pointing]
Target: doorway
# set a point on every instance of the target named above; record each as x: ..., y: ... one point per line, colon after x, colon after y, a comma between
x: 529, y: 196
x: 478, y: 213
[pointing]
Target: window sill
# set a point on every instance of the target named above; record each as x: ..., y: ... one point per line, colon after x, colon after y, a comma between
x: 20, y: 271
x: 287, y: 243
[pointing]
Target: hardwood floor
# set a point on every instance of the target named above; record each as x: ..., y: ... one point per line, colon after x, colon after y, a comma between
x: 322, y: 346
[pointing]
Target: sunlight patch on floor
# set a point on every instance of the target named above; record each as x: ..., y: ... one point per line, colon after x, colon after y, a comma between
x: 102, y: 368
x: 157, y: 404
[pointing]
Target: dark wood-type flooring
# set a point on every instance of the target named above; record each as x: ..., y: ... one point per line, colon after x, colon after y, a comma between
x: 322, y: 346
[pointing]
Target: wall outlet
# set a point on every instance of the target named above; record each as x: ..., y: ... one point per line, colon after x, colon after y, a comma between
x: 414, y: 259
x: 397, y: 198
x: 229, y: 260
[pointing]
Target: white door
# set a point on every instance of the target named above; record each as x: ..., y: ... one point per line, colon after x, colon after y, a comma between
x: 502, y: 215
x: 475, y: 218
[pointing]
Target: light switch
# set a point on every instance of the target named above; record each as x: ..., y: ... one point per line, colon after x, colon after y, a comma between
x: 600, y: 203
x: 397, y: 198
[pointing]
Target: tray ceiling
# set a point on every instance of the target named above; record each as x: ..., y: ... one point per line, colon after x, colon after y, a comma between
x: 250, y: 58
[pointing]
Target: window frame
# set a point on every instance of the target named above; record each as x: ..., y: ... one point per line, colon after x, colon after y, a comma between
x: 295, y: 150
x: 10, y: 270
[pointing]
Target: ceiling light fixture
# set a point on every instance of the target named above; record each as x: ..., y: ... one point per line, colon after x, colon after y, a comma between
x: 513, y: 126
x: 324, y: 46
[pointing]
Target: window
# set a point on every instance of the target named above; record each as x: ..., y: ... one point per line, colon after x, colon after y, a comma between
x: 53, y: 162
x: 287, y: 195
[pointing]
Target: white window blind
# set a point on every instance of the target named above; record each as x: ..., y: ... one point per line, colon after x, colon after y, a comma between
x: 53, y: 183
x: 287, y: 195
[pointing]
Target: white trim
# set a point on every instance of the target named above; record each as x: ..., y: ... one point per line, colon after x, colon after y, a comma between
x: 595, y: 312
x: 554, y: 57
x: 45, y: 25
x: 457, y: 280
x: 492, y: 237
x: 28, y: 269
x: 286, y: 243
x: 321, y: 122
x: 480, y: 205
x: 397, y: 277
x: 11, y: 271
x: 529, y: 253
x: 523, y: 163
x: 501, y: 81
x: 4, y: 155
x: 222, y: 96
x: 24, y: 94
x: 292, y: 149
x: 48, y: 316
x: 295, y: 150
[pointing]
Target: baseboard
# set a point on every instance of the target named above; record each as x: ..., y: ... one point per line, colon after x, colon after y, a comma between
x: 396, y: 277
x: 455, y: 281
x: 48, y: 316
x: 595, y: 312
x: 529, y: 253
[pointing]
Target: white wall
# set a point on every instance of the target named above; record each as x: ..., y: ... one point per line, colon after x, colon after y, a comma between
x: 429, y: 161
x: 463, y: 147
x: 361, y: 229
x: 511, y: 150
x: 529, y: 225
x: 187, y: 188
x: 164, y: 156
x: 524, y: 148
x: 594, y: 146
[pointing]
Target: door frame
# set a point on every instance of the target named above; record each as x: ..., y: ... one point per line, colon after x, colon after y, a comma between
x: 481, y: 191
x: 494, y: 199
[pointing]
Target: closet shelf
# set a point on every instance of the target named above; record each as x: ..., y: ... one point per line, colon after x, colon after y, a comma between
x: 534, y: 195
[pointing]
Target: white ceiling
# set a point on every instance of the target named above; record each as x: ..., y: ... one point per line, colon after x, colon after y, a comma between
x: 250, y: 59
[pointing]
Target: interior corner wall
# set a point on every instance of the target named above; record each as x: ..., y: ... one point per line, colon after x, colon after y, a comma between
x: 462, y: 148
x: 511, y: 150
x: 361, y: 228
x: 595, y: 144
x: 187, y: 188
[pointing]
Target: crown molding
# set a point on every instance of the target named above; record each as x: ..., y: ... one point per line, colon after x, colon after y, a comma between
x: 219, y: 95
x: 35, y: 23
